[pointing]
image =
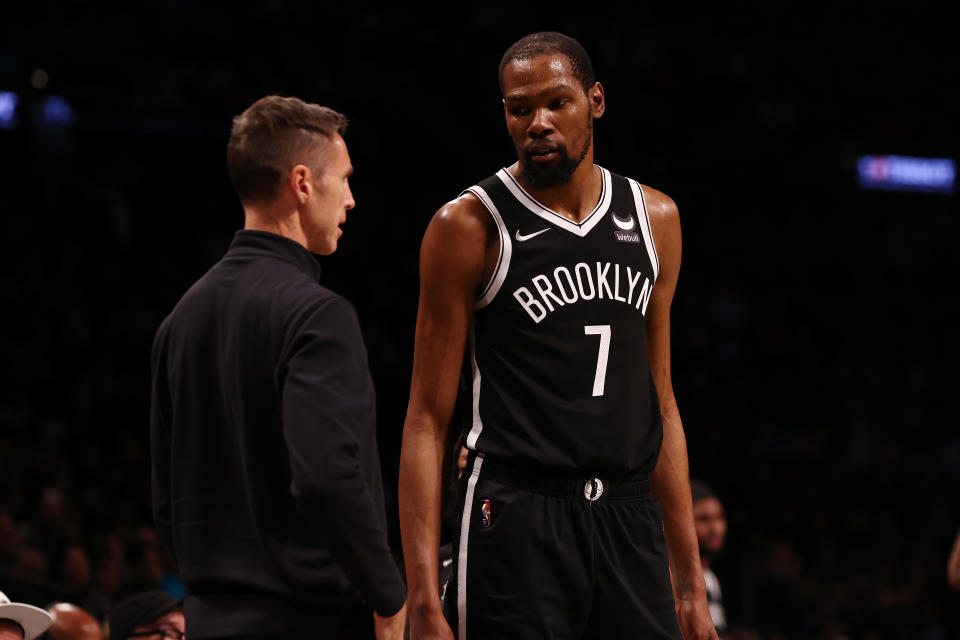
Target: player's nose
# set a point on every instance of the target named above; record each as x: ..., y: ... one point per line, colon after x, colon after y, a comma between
x: 540, y: 124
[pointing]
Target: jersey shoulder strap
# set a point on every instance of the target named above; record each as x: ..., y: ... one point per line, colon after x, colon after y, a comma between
x: 630, y: 193
x: 495, y: 197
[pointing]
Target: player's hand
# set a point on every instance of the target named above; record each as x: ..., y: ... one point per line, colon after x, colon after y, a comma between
x: 694, y: 618
x: 429, y: 626
x: 391, y: 628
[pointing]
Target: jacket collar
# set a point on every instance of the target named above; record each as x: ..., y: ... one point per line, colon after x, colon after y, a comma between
x: 264, y: 243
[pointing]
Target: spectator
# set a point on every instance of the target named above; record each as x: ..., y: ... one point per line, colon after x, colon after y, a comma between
x: 74, y: 567
x: 110, y: 573
x: 710, y: 522
x: 145, y: 561
x: 21, y: 621
x: 149, y: 615
x: 70, y: 622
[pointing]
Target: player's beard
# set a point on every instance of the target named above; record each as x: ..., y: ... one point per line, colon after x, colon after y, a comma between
x: 561, y: 172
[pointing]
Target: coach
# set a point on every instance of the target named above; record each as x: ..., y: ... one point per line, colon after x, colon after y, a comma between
x: 266, y: 474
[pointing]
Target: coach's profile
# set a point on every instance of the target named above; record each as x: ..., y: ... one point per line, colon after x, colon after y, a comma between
x: 266, y: 476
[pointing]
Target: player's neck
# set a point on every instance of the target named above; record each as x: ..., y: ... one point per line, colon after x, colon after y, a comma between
x: 276, y: 220
x: 574, y: 199
x: 704, y: 562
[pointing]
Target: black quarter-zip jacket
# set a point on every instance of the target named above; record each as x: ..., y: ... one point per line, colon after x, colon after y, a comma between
x: 266, y: 474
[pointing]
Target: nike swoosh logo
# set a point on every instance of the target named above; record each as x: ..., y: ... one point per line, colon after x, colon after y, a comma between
x: 524, y: 238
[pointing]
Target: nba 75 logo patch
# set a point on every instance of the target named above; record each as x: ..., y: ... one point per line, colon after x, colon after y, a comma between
x: 624, y: 231
x: 486, y: 517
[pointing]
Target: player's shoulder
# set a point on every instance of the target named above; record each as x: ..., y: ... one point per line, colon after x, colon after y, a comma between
x: 464, y: 213
x: 660, y: 207
x: 463, y: 221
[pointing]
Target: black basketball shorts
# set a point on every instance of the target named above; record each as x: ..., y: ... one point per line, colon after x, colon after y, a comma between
x: 540, y: 556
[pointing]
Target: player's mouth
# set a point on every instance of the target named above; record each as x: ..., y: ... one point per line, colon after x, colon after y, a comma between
x: 543, y: 154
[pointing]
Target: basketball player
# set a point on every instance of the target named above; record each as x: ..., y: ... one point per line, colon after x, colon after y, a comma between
x: 557, y: 276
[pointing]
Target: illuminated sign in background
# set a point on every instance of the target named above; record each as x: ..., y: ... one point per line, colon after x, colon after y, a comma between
x: 905, y: 173
x: 8, y: 109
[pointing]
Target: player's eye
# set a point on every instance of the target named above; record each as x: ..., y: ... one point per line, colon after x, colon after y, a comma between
x: 518, y: 111
x: 559, y: 103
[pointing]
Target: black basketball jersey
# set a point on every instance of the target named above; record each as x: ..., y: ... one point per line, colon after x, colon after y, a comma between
x: 556, y: 374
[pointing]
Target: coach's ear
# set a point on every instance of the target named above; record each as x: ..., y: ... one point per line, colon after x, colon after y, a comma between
x: 300, y: 183
x: 597, y: 103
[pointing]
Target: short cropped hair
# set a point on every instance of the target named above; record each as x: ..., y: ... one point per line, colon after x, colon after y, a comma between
x: 547, y: 43
x: 700, y: 490
x: 272, y: 136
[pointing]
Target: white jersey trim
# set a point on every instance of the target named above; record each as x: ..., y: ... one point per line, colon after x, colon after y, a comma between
x: 645, y: 228
x: 462, y: 556
x: 582, y: 228
x: 506, y: 248
x: 477, y: 424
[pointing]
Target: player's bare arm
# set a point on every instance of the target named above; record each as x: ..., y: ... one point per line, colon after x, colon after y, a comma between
x: 670, y: 480
x: 453, y: 264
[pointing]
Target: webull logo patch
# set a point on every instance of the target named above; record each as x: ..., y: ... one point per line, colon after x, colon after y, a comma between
x: 624, y: 228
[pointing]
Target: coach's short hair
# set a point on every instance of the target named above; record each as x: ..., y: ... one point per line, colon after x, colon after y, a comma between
x: 546, y: 43
x: 272, y: 136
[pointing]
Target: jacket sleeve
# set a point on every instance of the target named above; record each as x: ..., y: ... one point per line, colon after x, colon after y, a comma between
x: 160, y: 441
x: 329, y: 426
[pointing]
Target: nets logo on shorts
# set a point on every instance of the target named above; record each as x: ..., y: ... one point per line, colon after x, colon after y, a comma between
x: 486, y: 517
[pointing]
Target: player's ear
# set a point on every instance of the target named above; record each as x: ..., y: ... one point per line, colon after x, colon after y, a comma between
x: 595, y: 97
x: 300, y: 183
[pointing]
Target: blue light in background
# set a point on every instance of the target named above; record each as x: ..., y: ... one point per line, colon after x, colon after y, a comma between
x: 8, y: 109
x: 905, y: 173
x: 57, y: 112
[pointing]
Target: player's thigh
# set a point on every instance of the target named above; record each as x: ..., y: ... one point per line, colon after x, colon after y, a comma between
x: 523, y: 567
x: 633, y: 597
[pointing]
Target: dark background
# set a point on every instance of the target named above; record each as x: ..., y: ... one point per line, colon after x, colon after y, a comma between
x: 814, y: 350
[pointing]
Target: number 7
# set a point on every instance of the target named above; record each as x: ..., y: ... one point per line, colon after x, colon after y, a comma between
x: 602, y: 330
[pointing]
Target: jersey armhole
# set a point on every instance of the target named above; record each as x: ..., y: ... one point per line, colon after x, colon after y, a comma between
x: 646, y: 229
x: 489, y: 291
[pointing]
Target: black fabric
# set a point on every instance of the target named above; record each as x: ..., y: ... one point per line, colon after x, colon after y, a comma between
x: 446, y: 567
x: 542, y: 566
x: 284, y: 622
x: 568, y: 317
x: 565, y: 484
x: 267, y: 484
x: 139, y: 608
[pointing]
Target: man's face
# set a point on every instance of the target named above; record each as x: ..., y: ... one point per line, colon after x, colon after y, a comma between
x: 711, y: 525
x: 549, y: 116
x: 330, y: 199
x: 10, y: 630
x: 170, y: 626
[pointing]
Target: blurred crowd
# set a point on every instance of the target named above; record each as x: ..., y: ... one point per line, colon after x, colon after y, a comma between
x: 60, y: 543
x: 814, y: 330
